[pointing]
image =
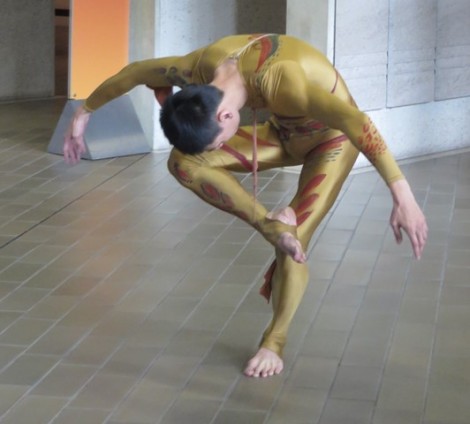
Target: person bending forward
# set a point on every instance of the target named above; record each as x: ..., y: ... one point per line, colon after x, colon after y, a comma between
x: 314, y: 123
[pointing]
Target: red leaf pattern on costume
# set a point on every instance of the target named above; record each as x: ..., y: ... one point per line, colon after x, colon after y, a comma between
x: 303, y: 217
x: 227, y: 200
x: 237, y: 155
x: 211, y: 192
x: 371, y: 143
x: 334, y: 143
x: 182, y: 175
x: 314, y: 182
x: 306, y: 203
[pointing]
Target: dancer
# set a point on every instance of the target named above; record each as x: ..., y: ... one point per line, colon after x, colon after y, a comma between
x: 314, y: 123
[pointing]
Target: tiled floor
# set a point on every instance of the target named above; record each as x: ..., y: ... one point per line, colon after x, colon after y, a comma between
x: 126, y: 299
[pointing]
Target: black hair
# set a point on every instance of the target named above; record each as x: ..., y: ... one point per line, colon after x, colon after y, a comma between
x: 188, y: 118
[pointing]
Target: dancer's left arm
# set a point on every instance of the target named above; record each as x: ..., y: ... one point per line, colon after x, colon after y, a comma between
x: 310, y: 99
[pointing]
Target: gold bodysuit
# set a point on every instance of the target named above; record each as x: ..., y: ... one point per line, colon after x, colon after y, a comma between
x: 314, y: 123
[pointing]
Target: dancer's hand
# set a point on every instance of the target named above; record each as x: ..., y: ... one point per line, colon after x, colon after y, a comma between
x: 161, y: 93
x: 407, y: 215
x: 74, y: 143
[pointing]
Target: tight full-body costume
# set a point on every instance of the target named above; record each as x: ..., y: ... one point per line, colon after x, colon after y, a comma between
x: 314, y: 123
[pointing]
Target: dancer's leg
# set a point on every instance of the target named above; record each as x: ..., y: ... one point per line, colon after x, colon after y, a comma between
x: 322, y: 176
x: 207, y: 176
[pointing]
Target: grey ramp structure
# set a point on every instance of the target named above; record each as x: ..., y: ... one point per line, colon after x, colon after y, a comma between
x: 113, y: 130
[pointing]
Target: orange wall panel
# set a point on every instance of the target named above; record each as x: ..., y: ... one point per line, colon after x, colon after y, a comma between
x: 99, y: 43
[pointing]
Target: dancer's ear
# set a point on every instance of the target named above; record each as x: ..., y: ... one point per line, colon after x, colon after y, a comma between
x: 224, y: 115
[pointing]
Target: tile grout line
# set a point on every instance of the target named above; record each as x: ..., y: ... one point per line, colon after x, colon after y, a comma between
x: 69, y: 203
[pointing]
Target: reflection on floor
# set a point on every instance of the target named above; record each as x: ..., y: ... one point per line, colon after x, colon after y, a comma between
x: 126, y: 299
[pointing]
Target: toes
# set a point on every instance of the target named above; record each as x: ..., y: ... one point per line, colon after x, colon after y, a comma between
x: 264, y: 364
x: 250, y: 369
x: 292, y: 247
x: 265, y: 369
x: 300, y: 257
x: 256, y: 369
x: 278, y: 369
x: 260, y: 370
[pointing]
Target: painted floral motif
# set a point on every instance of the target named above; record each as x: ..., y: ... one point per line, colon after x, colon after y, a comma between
x: 174, y: 78
x: 181, y: 175
x: 267, y: 46
x: 371, y: 142
x: 289, y: 126
x: 219, y: 199
x: 304, y: 208
x: 211, y: 192
x: 329, y: 149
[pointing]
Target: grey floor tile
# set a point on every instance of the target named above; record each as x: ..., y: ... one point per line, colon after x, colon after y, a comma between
x: 19, y: 271
x: 9, y: 395
x: 80, y: 416
x: 447, y: 404
x: 324, y: 343
x: 22, y: 299
x: 335, y: 318
x: 393, y: 416
x: 191, y: 343
x: 126, y: 299
x: 40, y: 409
x: 239, y: 417
x: 25, y: 331
x: 172, y: 370
x: 65, y: 380
x: 27, y: 370
x: 212, y: 381
x: 57, y: 341
x: 363, y: 350
x: 298, y: 405
x: 402, y: 393
x: 313, y: 373
x: 341, y: 411
x: 194, y: 410
x: 104, y: 391
x: 146, y: 404
x: 357, y: 383
x: 452, y: 342
x: 254, y: 394
x: 92, y: 351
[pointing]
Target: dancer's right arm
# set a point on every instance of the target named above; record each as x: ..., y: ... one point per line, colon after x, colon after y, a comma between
x: 151, y: 72
x: 159, y: 74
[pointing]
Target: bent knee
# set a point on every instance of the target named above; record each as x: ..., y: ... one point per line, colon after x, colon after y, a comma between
x: 183, y: 166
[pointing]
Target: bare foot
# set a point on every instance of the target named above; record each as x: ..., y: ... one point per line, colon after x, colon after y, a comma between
x: 286, y: 241
x: 265, y: 363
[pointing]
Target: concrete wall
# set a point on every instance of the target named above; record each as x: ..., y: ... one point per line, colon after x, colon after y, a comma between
x: 142, y: 46
x: 315, y: 26
x: 159, y: 28
x: 26, y: 49
x: 193, y: 24
x: 408, y: 64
